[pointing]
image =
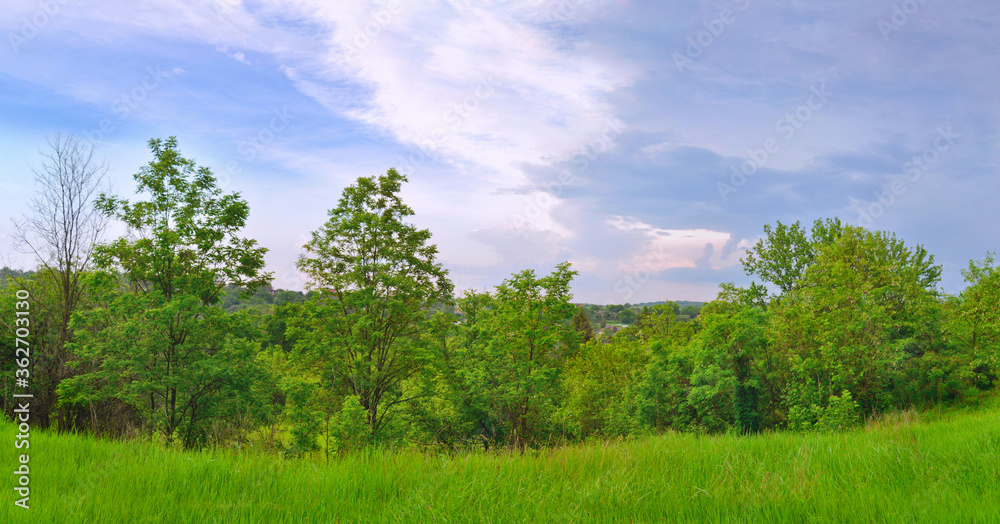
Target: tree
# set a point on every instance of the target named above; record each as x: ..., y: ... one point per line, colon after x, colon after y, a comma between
x: 862, y: 309
x: 734, y: 379
x: 781, y: 257
x: 690, y: 311
x: 61, y: 232
x: 161, y: 347
x: 376, y: 278
x: 599, y: 387
x: 975, y: 323
x: 581, y: 322
x: 185, y: 237
x: 518, y: 340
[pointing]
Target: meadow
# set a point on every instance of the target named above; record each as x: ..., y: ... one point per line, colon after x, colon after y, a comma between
x: 902, y: 467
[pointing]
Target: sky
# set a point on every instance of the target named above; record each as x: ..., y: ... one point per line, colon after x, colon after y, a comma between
x: 647, y: 143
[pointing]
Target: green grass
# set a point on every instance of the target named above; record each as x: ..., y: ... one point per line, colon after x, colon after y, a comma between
x: 906, y: 468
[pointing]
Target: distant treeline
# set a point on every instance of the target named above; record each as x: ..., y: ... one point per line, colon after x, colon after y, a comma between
x: 625, y: 314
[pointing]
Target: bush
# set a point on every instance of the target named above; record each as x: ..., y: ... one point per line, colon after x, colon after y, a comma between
x: 839, y: 414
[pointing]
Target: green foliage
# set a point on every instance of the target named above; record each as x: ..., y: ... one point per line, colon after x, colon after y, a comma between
x: 515, y: 345
x: 178, y: 363
x: 782, y: 256
x: 158, y: 345
x: 45, y: 351
x: 975, y: 324
x: 583, y: 325
x: 603, y: 380
x: 664, y: 385
x: 848, y: 325
x: 302, y: 412
x: 840, y: 413
x: 351, y: 429
x: 375, y: 274
x: 187, y: 231
x: 599, y: 386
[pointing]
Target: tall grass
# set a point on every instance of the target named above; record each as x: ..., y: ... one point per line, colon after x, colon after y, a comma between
x: 903, y: 468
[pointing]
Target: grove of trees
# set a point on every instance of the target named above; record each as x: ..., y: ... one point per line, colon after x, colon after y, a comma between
x: 174, y: 331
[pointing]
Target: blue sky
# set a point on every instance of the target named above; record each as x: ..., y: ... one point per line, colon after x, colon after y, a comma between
x: 645, y: 142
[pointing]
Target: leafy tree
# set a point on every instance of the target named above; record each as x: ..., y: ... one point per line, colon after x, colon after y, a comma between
x: 185, y: 236
x: 519, y: 340
x: 860, y: 310
x: 782, y: 256
x: 977, y: 324
x: 655, y: 322
x: 161, y: 347
x: 581, y: 322
x: 712, y: 373
x: 599, y: 385
x: 974, y: 327
x: 663, y: 388
x: 375, y: 277
x: 735, y: 369
x: 690, y: 311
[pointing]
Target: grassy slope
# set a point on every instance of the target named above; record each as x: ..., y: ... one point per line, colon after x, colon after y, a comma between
x: 901, y: 470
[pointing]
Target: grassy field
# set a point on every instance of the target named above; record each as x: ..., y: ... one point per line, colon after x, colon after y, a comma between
x: 905, y: 468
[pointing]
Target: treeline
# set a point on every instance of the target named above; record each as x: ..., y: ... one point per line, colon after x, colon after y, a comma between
x: 601, y: 316
x: 175, y: 331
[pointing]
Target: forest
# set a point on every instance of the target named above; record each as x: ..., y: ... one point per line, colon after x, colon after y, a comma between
x: 174, y: 333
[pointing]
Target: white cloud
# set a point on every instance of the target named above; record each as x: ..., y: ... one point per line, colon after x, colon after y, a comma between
x: 678, y: 248
x: 483, y: 84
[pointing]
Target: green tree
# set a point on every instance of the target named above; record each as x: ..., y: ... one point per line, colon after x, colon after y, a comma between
x: 690, y: 311
x: 581, y: 322
x: 376, y: 277
x: 161, y: 347
x: 599, y: 386
x: 663, y: 389
x: 977, y: 324
x: 862, y: 309
x: 734, y: 380
x: 519, y: 340
x: 782, y: 256
x: 974, y: 327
